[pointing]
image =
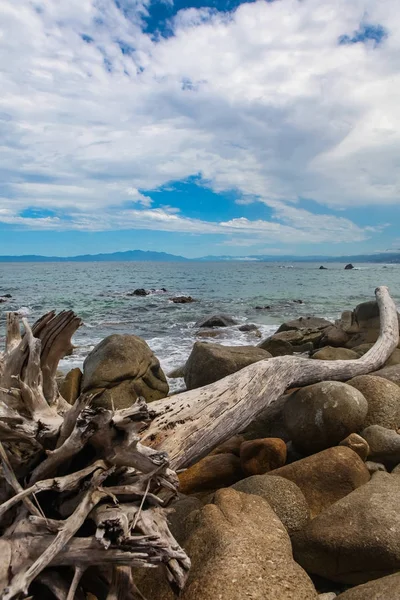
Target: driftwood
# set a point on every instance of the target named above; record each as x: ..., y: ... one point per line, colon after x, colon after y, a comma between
x: 85, y: 490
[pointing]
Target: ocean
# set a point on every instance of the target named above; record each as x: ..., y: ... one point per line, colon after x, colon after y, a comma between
x: 98, y: 293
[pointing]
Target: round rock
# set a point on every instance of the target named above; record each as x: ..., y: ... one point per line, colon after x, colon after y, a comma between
x: 383, y: 397
x: 263, y: 455
x: 321, y: 415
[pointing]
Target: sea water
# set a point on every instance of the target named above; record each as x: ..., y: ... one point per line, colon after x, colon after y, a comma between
x: 99, y: 294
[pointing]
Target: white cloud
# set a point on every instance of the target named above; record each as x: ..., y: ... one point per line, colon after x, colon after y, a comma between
x: 262, y: 101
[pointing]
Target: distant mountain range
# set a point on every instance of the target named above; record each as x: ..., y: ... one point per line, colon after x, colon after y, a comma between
x: 140, y: 255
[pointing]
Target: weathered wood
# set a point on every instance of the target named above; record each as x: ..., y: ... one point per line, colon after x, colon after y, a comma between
x: 189, y: 425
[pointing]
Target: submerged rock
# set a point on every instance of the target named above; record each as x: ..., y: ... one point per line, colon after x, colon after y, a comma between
x: 139, y: 292
x: 349, y: 267
x: 123, y: 368
x: 210, y: 362
x: 217, y: 321
x: 182, y: 299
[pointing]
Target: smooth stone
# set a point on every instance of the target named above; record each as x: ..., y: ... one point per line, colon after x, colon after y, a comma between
x: 284, y: 496
x: 389, y: 373
x: 210, y: 473
x: 384, y: 588
x: 210, y: 362
x: 239, y: 549
x: 269, y: 423
x: 216, y: 321
x: 305, y: 323
x: 358, y: 444
x: 384, y: 444
x: 177, y: 517
x: 177, y: 373
x: 383, y: 399
x: 260, y: 456
x: 373, y: 467
x: 327, y: 596
x: 124, y: 367
x: 322, y: 268
x: 323, y: 414
x: 326, y: 477
x: 331, y: 353
x: 362, y: 349
x: 276, y: 347
x: 70, y: 387
x: 249, y: 327
x: 231, y: 445
x: 356, y: 539
x: 394, y: 358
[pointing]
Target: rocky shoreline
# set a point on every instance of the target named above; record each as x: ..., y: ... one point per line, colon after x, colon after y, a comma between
x: 304, y: 503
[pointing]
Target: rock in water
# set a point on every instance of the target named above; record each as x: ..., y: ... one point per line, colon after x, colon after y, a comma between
x: 239, y: 549
x: 384, y: 588
x: 216, y: 321
x: 349, y: 267
x: 182, y: 299
x: 210, y: 362
x: 326, y: 477
x: 322, y: 268
x: 357, y: 538
x: 262, y: 455
x: 123, y: 367
x: 383, y: 399
x: 323, y: 414
x: 284, y: 496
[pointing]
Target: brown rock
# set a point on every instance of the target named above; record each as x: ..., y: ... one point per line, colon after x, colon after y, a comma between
x: 276, y: 346
x: 394, y: 359
x: 373, y: 467
x: 262, y: 455
x: 326, y: 477
x: 210, y: 362
x: 383, y: 399
x: 358, y: 444
x: 211, y: 473
x: 239, y: 549
x: 177, y: 518
x: 70, y: 387
x: 384, y: 588
x: 389, y: 373
x: 330, y: 353
x: 124, y: 367
x: 321, y: 415
x: 384, y: 444
x: 284, y: 496
x: 334, y: 336
x: 182, y: 299
x: 305, y: 323
x: 357, y: 538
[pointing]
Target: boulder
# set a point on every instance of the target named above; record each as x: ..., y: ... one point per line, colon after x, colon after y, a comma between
x: 396, y: 470
x: 182, y: 299
x: 284, y: 496
x: 362, y: 324
x: 389, y: 373
x: 330, y: 353
x: 250, y: 327
x: 305, y: 323
x: 211, y: 473
x: 210, y: 362
x: 384, y: 444
x: 326, y: 477
x: 231, y: 445
x: 123, y: 367
x: 383, y: 399
x: 217, y: 321
x: 356, y: 539
x: 177, y: 517
x: 334, y: 336
x: 358, y: 444
x: 239, y: 549
x: 276, y: 347
x: 322, y: 268
x: 323, y: 414
x: 349, y: 267
x: 373, y: 467
x: 394, y: 359
x: 262, y: 455
x: 139, y: 292
x: 269, y: 423
x: 362, y: 349
x: 384, y: 588
x: 177, y: 373
x: 70, y: 387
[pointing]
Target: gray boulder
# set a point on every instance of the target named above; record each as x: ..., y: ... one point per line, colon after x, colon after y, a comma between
x: 284, y: 496
x: 305, y: 323
x: 323, y: 414
x: 384, y: 588
x: 276, y: 346
x: 384, y: 444
x: 210, y: 362
x: 122, y: 368
x: 356, y: 539
x: 383, y: 399
x: 390, y: 373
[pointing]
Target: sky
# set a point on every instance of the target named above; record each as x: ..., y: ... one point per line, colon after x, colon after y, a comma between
x: 199, y: 127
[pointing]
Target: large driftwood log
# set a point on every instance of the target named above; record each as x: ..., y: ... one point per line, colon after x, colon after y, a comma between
x: 189, y: 425
x: 77, y: 489
x: 84, y: 487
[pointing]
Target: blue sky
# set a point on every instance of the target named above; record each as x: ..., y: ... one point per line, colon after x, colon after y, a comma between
x: 204, y: 127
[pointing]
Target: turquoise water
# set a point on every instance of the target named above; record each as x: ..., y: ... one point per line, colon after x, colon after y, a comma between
x: 97, y: 292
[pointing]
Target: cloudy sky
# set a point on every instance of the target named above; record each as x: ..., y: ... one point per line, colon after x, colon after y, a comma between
x: 199, y: 127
